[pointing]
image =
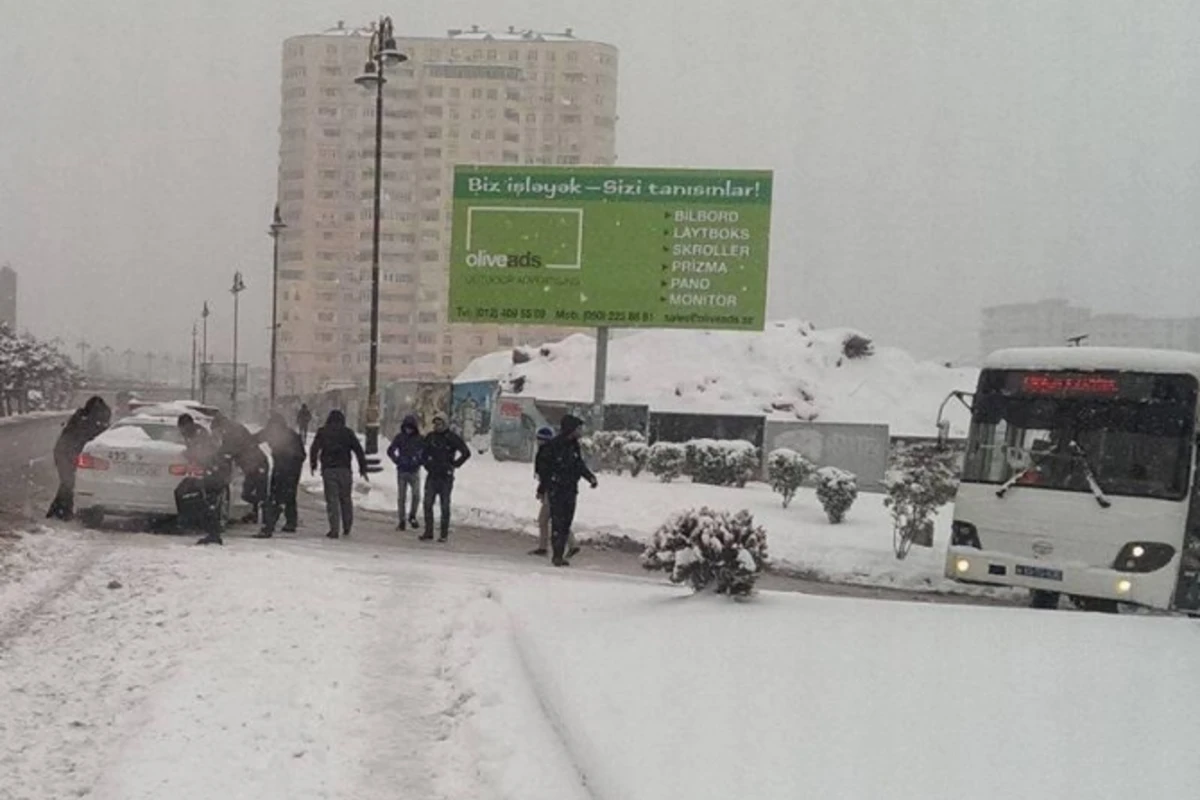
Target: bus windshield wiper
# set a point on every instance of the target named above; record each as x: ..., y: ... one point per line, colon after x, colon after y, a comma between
x: 1015, y: 479
x: 1081, y: 456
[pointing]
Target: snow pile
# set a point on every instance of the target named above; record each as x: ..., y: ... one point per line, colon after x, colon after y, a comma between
x: 790, y: 696
x: 790, y: 371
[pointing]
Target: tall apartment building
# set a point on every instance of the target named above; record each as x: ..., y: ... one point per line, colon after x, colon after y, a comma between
x: 474, y: 97
x: 1050, y: 323
x: 8, y: 297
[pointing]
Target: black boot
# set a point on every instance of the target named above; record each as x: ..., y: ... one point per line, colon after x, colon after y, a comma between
x: 331, y: 535
x: 263, y: 534
x: 212, y: 538
x: 427, y: 536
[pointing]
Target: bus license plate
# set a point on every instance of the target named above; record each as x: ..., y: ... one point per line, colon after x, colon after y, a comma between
x: 1044, y: 573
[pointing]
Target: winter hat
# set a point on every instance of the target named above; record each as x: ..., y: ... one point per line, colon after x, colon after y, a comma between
x: 545, y: 433
x: 570, y: 424
x: 336, y: 419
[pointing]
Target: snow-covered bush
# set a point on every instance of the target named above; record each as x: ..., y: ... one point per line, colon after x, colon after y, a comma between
x: 636, y: 456
x: 724, y: 462
x: 923, y: 480
x: 837, y: 490
x: 32, y: 371
x: 666, y: 460
x: 708, y: 548
x: 787, y: 471
x: 856, y: 345
x: 608, y: 451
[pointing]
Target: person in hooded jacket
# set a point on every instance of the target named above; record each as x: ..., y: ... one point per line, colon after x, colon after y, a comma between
x: 84, y: 425
x: 561, y: 470
x: 406, y: 452
x: 303, y: 420
x: 287, y: 453
x: 444, y: 452
x: 544, y: 435
x: 239, y: 444
x: 333, y: 448
x: 198, y: 496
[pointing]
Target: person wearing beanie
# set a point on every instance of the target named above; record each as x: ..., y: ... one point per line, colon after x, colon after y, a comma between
x: 558, y: 479
x: 444, y: 452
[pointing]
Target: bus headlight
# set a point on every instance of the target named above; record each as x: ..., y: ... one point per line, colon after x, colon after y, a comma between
x: 1124, y: 586
x: 1143, y: 557
x: 962, y: 565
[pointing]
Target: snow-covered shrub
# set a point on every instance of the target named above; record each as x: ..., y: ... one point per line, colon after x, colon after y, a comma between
x: 923, y: 480
x: 608, y: 450
x: 724, y: 462
x: 857, y: 346
x: 837, y: 490
x: 666, y: 460
x: 708, y: 548
x: 34, y: 372
x: 636, y: 456
x: 787, y: 471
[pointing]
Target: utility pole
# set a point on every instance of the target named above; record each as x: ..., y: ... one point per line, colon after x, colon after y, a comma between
x: 239, y: 286
x: 192, y: 393
x: 204, y: 357
x: 276, y: 229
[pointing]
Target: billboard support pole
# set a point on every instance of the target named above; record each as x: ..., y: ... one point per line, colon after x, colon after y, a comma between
x: 601, y: 378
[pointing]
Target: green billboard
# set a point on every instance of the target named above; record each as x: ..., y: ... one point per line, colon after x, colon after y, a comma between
x: 610, y: 247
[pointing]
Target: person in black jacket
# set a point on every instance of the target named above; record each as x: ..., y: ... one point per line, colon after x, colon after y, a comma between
x: 562, y: 466
x: 287, y: 453
x: 444, y: 452
x: 198, y: 496
x: 239, y: 444
x: 332, y: 448
x: 84, y: 425
x: 303, y: 420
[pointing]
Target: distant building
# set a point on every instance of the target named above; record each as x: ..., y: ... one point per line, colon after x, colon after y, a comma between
x: 1054, y: 323
x: 8, y: 297
x: 472, y: 97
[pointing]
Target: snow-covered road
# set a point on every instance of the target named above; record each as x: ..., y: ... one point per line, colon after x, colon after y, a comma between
x: 288, y: 670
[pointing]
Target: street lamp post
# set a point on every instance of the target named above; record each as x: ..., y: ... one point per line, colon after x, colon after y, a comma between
x: 204, y: 356
x: 382, y: 53
x: 276, y: 229
x: 239, y: 286
x: 192, y: 393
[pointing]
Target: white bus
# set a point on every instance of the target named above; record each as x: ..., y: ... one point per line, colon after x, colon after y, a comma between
x: 1079, y: 478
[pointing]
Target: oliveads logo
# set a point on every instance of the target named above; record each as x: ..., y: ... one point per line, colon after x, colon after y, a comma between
x: 528, y: 237
x: 483, y: 258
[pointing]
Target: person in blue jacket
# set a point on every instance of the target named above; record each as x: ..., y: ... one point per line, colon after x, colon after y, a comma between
x: 407, y: 452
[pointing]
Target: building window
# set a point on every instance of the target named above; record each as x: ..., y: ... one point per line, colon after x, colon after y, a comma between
x: 433, y: 91
x: 427, y: 317
x: 425, y: 338
x: 447, y: 361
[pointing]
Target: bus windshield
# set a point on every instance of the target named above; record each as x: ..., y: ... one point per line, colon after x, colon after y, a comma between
x: 1132, y: 432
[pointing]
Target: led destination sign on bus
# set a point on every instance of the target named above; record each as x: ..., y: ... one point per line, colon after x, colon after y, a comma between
x: 1133, y: 386
x: 1070, y: 384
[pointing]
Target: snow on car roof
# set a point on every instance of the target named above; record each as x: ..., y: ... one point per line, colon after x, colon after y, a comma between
x: 1095, y: 358
x: 131, y: 435
x: 173, y: 408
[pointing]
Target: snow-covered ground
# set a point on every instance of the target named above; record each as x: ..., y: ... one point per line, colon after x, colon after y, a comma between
x: 789, y: 371
x: 17, y: 419
x: 311, y: 669
x: 500, y: 495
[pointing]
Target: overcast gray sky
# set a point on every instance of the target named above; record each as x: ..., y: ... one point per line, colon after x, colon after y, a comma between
x: 930, y: 156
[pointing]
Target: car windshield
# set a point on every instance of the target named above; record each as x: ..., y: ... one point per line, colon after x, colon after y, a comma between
x: 1131, y: 446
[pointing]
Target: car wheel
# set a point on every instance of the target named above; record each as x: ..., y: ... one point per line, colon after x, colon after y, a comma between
x: 92, y: 517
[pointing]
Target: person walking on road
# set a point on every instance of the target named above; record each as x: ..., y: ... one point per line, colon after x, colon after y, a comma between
x: 333, y: 448
x: 198, y: 497
x: 303, y: 420
x: 562, y: 469
x: 287, y: 453
x: 544, y: 435
x: 84, y: 425
x: 444, y: 452
x: 405, y: 452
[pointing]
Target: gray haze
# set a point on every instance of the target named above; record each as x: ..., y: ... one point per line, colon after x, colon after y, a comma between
x: 930, y: 156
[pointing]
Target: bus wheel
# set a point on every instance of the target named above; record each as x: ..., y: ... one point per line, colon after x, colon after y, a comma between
x: 1039, y: 598
x: 1097, y: 605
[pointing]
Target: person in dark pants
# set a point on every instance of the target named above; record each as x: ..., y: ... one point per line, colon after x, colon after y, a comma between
x: 405, y: 452
x: 198, y: 496
x: 239, y: 444
x: 84, y: 425
x: 562, y: 468
x: 287, y: 453
x: 303, y: 420
x: 445, y: 451
x: 333, y: 447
